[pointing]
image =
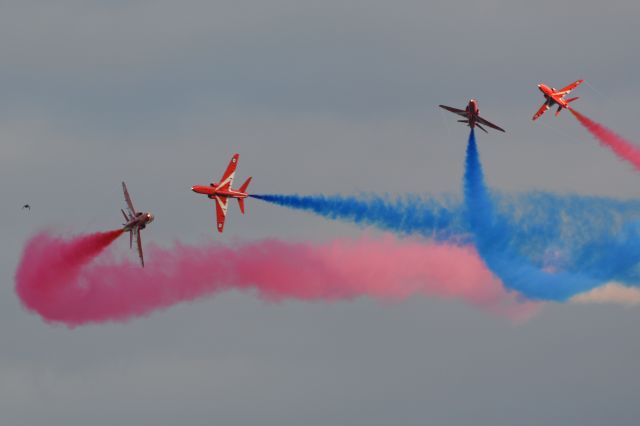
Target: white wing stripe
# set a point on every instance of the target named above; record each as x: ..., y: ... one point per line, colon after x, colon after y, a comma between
x: 223, y: 204
x: 228, y: 180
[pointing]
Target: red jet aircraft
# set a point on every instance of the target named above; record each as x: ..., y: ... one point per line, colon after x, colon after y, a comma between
x: 221, y: 192
x: 553, y: 97
x: 472, y: 117
x: 135, y: 222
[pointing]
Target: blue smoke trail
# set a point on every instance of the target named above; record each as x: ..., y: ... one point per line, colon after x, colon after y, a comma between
x: 540, y: 221
x: 493, y: 239
x: 598, y: 237
x: 430, y: 217
x: 523, y: 238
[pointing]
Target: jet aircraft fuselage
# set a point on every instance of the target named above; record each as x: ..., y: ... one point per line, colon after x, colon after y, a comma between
x: 471, y: 116
x: 222, y: 191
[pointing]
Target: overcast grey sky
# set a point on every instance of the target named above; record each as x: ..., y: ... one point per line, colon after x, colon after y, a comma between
x: 317, y: 97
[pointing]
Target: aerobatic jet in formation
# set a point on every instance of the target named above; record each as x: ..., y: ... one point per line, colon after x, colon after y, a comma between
x: 222, y: 191
x: 135, y: 222
x: 556, y: 97
x: 471, y: 116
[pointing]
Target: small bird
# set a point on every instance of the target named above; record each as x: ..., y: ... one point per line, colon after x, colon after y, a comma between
x: 27, y: 207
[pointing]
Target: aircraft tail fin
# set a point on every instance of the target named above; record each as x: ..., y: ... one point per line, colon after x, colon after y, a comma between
x: 573, y: 99
x: 481, y: 128
x: 126, y: 219
x: 241, y: 204
x: 558, y: 110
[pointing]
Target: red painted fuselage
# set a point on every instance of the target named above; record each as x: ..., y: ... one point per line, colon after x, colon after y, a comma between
x: 135, y: 222
x: 471, y: 116
x: 140, y: 220
x: 211, y: 191
x: 222, y: 191
x: 549, y: 95
x: 472, y: 113
x: 554, y: 97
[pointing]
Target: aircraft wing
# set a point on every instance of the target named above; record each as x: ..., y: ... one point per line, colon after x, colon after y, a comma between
x: 541, y: 111
x: 127, y: 198
x: 139, y: 238
x: 566, y: 90
x: 454, y: 110
x: 227, y: 177
x: 487, y: 123
x: 221, y: 211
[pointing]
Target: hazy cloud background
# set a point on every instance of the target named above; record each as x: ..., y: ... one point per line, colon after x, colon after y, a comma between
x: 333, y: 96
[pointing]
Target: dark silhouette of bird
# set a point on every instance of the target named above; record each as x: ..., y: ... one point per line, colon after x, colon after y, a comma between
x: 26, y: 207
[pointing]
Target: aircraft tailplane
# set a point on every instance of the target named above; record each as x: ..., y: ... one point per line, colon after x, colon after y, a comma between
x: 245, y: 185
x: 243, y: 188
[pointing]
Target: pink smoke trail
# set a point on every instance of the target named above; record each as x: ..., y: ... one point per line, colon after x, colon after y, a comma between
x: 63, y: 283
x: 55, y: 263
x: 622, y: 148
